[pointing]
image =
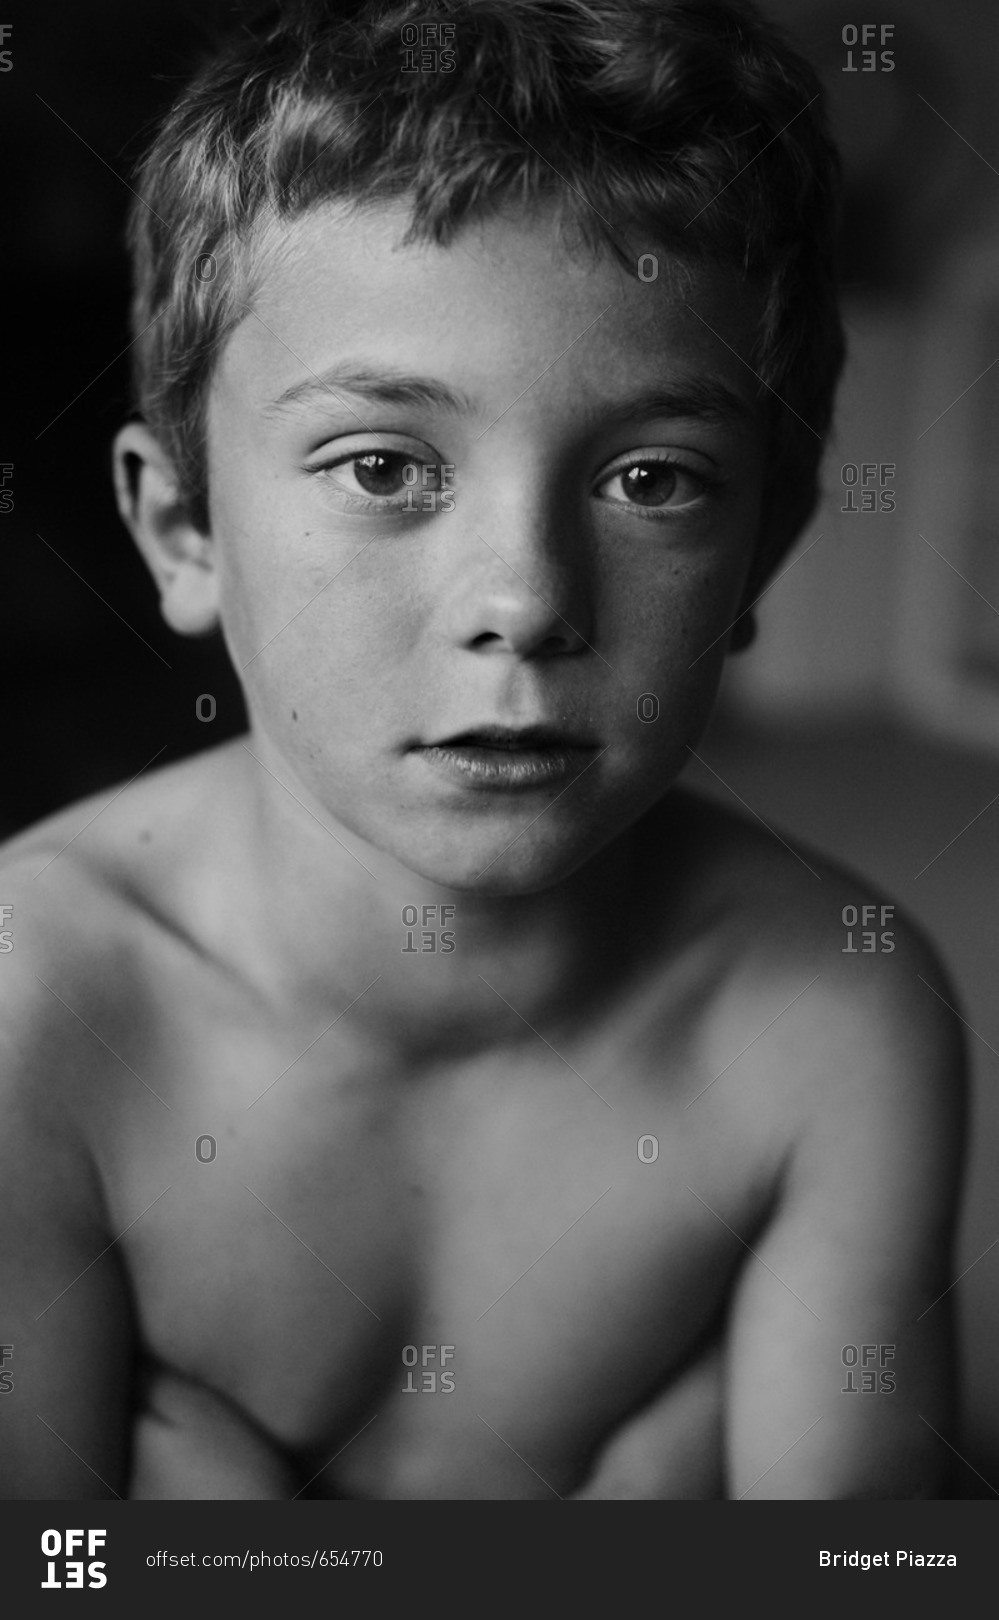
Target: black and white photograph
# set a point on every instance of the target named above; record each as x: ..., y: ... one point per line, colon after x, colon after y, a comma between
x: 499, y: 841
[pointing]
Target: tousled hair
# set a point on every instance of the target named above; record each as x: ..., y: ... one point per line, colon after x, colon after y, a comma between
x: 685, y: 123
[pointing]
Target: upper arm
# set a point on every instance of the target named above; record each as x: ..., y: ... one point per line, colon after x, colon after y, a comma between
x: 65, y: 1320
x: 852, y: 1272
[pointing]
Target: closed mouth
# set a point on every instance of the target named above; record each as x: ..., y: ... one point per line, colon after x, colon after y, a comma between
x: 515, y: 739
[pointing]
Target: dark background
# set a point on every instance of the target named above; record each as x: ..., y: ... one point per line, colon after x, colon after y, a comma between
x: 91, y: 701
x: 856, y: 722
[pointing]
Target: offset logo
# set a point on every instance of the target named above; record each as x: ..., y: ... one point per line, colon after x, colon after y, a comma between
x: 58, y: 1546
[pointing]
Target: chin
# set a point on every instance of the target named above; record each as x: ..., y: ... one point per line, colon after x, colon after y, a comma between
x: 503, y: 864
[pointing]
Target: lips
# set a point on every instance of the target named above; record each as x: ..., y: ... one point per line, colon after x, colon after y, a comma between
x: 515, y: 739
x: 509, y: 758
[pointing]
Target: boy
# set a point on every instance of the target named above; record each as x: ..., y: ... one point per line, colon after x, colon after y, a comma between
x: 429, y: 1041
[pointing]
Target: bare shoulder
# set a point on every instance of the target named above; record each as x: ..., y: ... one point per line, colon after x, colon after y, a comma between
x: 79, y: 892
x: 117, y: 847
x: 116, y: 839
x: 844, y: 998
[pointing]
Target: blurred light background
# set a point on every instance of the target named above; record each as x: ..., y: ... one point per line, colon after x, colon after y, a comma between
x: 865, y: 720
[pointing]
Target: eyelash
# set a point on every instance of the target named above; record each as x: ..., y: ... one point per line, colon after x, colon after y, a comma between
x: 706, y: 486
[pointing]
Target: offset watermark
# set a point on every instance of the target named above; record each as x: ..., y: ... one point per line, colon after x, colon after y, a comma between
x: 868, y: 1370
x: 6, y: 1376
x: 6, y: 934
x: 204, y: 707
x: 6, y: 495
x: 865, y: 486
x: 868, y: 923
x: 58, y: 1549
x: 6, y: 56
x: 436, y: 1378
x: 868, y: 37
x: 648, y: 1149
x: 429, y: 486
x: 206, y: 1149
x: 427, y: 47
x: 416, y: 920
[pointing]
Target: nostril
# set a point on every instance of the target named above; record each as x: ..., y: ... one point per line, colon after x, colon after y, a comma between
x: 554, y: 644
x: 549, y: 647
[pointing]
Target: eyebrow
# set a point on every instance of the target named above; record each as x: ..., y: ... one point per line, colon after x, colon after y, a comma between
x: 386, y: 387
x: 704, y: 399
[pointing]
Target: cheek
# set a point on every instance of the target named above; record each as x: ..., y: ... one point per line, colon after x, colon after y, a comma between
x: 328, y: 632
x: 671, y: 647
x: 272, y: 575
x: 670, y: 615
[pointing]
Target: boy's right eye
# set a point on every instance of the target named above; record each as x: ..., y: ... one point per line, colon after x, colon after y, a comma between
x: 381, y: 473
x: 374, y: 480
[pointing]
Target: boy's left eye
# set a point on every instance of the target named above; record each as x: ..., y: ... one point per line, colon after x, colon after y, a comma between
x: 653, y: 482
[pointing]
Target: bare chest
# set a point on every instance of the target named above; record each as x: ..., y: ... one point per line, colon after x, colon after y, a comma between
x: 437, y: 1279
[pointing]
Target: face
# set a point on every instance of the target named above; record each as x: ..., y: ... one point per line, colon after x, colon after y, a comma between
x: 482, y: 516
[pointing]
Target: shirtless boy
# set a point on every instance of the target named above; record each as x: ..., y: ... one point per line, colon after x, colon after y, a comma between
x: 430, y: 1028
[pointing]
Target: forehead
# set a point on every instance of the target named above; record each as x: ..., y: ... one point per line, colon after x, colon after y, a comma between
x: 506, y: 302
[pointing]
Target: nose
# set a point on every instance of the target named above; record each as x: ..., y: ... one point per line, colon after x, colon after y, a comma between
x: 523, y: 586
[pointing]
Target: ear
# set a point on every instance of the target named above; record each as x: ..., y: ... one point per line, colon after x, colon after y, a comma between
x: 743, y: 632
x: 180, y: 558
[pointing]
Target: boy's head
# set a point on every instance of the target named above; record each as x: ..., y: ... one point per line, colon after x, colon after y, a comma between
x: 685, y: 123
x: 554, y: 210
